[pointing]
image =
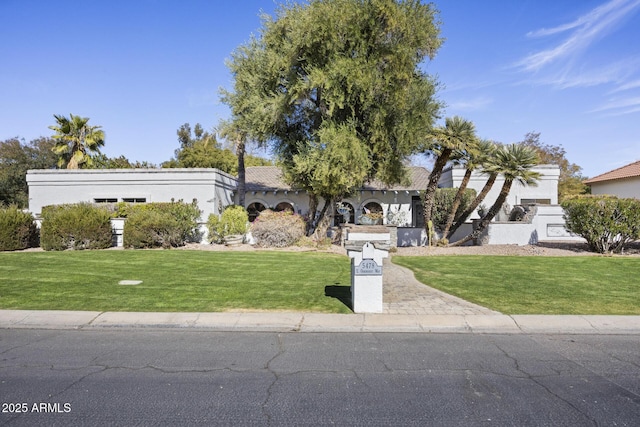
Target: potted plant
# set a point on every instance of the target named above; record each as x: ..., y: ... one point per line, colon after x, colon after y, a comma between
x: 371, y: 218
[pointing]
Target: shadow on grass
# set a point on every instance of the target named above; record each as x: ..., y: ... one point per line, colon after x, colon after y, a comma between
x: 341, y: 293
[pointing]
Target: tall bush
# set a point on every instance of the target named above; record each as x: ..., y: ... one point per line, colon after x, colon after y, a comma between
x: 606, y: 222
x: 17, y: 229
x: 277, y: 229
x: 443, y: 202
x: 75, y: 226
x: 233, y: 221
x: 165, y: 225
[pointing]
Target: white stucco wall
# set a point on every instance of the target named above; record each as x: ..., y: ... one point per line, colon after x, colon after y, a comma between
x: 546, y: 226
x: 212, y: 188
x: 628, y: 187
x: 547, y: 187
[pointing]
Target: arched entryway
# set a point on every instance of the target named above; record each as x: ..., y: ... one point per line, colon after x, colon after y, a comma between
x: 254, y: 210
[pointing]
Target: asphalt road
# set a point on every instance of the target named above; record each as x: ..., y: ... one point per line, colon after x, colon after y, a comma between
x: 179, y: 377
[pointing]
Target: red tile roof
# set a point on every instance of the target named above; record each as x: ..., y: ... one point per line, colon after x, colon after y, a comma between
x: 628, y: 171
x: 269, y: 178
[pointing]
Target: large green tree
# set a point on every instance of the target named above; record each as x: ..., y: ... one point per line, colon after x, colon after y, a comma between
x: 76, y: 140
x: 16, y: 158
x: 514, y: 162
x: 350, y: 67
x: 571, y: 178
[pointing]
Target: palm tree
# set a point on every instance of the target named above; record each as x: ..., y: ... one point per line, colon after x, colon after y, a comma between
x: 75, y: 140
x: 474, y: 160
x: 514, y: 162
x: 456, y: 134
x: 231, y: 131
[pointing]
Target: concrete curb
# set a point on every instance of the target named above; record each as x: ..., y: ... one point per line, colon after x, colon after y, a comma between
x: 318, y: 322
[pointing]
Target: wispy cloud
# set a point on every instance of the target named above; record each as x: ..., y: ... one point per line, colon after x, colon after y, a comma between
x: 474, y: 104
x: 617, y: 73
x: 582, y: 32
x: 627, y: 86
x: 620, y: 106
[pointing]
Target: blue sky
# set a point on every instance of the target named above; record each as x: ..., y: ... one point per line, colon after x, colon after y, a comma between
x: 569, y: 69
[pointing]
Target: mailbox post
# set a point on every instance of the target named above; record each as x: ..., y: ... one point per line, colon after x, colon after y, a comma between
x: 366, y: 279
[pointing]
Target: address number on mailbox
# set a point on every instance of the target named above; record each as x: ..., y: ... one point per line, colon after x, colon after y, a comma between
x: 368, y: 267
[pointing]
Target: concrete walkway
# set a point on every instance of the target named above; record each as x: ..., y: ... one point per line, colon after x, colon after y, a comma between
x: 409, y: 306
x: 404, y: 294
x: 316, y: 322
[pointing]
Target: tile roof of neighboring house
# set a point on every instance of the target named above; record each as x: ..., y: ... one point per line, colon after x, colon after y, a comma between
x: 628, y: 171
x: 269, y: 178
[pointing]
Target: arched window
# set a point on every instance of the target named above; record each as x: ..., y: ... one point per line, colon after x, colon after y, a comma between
x: 340, y: 217
x: 284, y: 206
x: 254, y: 210
x: 371, y: 214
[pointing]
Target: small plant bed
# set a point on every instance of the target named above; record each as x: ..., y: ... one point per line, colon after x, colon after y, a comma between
x: 535, y: 285
x: 172, y: 281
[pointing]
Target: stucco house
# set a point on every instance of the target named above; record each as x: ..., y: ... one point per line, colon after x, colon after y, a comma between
x: 622, y: 182
x: 397, y: 205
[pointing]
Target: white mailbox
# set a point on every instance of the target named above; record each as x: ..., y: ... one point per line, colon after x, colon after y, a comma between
x: 366, y: 278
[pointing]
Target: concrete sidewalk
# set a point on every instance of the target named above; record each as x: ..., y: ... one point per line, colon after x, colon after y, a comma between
x: 316, y: 322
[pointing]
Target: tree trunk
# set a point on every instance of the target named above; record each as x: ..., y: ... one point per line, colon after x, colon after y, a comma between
x: 313, y: 207
x: 242, y: 185
x: 456, y: 203
x: 479, y: 198
x: 324, y: 221
x: 434, y: 177
x: 486, y: 219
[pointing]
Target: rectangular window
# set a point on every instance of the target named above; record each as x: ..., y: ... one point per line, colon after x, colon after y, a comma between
x: 105, y: 200
x: 134, y: 200
x: 535, y: 201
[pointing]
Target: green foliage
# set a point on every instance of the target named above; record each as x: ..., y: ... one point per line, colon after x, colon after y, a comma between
x: 75, y: 141
x: 443, y: 202
x: 151, y: 229
x: 200, y: 149
x: 75, y: 226
x: 233, y: 221
x: 165, y: 225
x: 333, y: 166
x: 17, y: 229
x: 101, y: 161
x: 343, y: 66
x: 606, y: 222
x: 456, y: 136
x: 277, y: 229
x: 16, y: 158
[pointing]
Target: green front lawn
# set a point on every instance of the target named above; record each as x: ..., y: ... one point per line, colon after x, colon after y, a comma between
x: 535, y: 285
x: 173, y: 280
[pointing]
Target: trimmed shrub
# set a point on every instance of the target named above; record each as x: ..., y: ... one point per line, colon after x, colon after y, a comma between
x: 443, y: 201
x: 606, y: 222
x: 17, y: 229
x: 151, y: 229
x: 77, y: 226
x: 233, y: 221
x: 277, y: 229
x: 154, y: 225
